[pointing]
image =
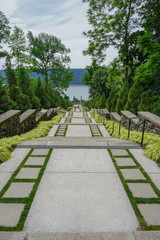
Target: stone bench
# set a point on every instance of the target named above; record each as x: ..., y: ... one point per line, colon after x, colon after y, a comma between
x: 9, y: 123
x: 27, y: 120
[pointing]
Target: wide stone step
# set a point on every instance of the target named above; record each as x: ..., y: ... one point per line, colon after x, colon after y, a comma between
x: 139, y: 235
x: 73, y: 142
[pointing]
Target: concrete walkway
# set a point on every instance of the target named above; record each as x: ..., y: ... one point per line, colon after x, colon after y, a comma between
x: 73, y: 178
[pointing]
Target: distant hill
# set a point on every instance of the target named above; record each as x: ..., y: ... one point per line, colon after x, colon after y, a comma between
x: 78, y: 72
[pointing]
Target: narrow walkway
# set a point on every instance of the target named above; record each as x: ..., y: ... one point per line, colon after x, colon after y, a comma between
x: 79, y: 181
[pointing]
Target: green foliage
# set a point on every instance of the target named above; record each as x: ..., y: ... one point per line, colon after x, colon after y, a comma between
x: 122, y: 99
x: 146, y: 101
x: 6, y: 144
x: 23, y: 102
x: 5, y: 101
x: 134, y: 97
x: 103, y: 101
x: 4, y: 32
x: 151, y: 140
x: 49, y: 54
x: 18, y: 46
x: 35, y: 102
x: 111, y: 101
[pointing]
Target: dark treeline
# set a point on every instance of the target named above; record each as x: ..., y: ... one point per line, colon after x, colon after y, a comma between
x: 132, y: 80
x: 44, y: 54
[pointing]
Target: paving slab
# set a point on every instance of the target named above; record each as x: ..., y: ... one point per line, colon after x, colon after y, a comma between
x: 104, y: 131
x: 77, y: 115
x: 63, y: 120
x: 80, y: 160
x: 11, y: 165
x: 142, y: 190
x: 53, y: 130
x: 78, y: 120
x: 82, y: 236
x: 4, y: 177
x: 40, y: 152
x: 125, y: 162
x: 81, y: 131
x: 35, y: 161
x: 28, y: 173
x: 151, y: 213
x: 81, y: 202
x: 134, y: 174
x: 19, y: 190
x: 119, y: 152
x: 149, y: 166
x: 10, y: 214
x: 13, y: 236
x: 147, y: 235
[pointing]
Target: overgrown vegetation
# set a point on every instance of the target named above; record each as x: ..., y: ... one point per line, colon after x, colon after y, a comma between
x: 6, y: 144
x: 151, y: 140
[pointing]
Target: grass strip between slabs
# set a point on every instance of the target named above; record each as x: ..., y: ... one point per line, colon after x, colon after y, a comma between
x: 134, y: 200
x: 27, y: 200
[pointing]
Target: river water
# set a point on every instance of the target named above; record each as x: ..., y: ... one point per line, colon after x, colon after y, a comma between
x: 78, y: 91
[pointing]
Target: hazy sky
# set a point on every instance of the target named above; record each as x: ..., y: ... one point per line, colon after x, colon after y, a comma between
x: 65, y: 19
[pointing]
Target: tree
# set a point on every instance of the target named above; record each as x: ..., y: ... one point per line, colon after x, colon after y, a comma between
x: 4, y: 32
x: 48, y: 53
x: 5, y: 101
x: 18, y: 46
x: 99, y: 81
x: 14, y: 89
x: 112, y: 23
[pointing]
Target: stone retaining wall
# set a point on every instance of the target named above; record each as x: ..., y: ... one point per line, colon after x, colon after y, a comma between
x: 9, y: 123
x: 27, y: 120
x: 13, y: 122
x: 137, y: 124
x: 41, y: 116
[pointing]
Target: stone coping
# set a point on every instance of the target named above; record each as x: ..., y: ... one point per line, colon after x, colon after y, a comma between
x: 83, y: 124
x: 128, y: 114
x: 24, y: 116
x: 115, y: 116
x: 150, y: 117
x: 132, y: 235
x: 40, y: 115
x: 50, y: 111
x: 9, y: 114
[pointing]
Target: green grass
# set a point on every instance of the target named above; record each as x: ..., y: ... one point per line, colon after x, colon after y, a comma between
x: 151, y: 140
x: 28, y: 200
x: 7, y: 144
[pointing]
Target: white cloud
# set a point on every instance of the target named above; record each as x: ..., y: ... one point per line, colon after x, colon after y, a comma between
x: 65, y: 19
x: 9, y: 7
